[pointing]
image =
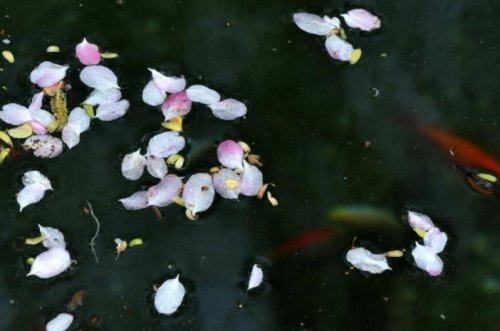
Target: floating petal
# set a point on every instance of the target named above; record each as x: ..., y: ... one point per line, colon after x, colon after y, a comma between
x: 168, y: 84
x: 198, y: 193
x: 361, y: 19
x: 165, y: 192
x: 202, y: 94
x: 88, y: 53
x: 420, y: 221
x: 36, y: 101
x: 157, y: 167
x: 152, y: 95
x: 338, y: 48
x: 70, y: 137
x: 169, y: 296
x: 37, y: 128
x: 221, y: 180
x: 42, y: 117
x: 53, y: 237
x: 50, y: 263
x: 138, y: 200
x: 112, y: 111
x: 165, y: 144
x: 228, y: 109
x: 15, y: 114
x: 435, y: 239
x: 177, y: 104
x: 251, y: 179
x: 44, y: 146
x: 133, y: 165
x: 48, y: 74
x: 314, y: 24
x: 99, y: 77
x: 256, y: 277
x: 36, y: 177
x: 30, y: 194
x: 79, y: 120
x: 103, y: 97
x: 426, y: 259
x: 60, y: 323
x: 230, y: 154
x: 365, y: 260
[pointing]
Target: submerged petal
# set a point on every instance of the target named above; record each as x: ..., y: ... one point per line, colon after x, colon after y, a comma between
x: 112, y: 111
x: 88, y: 53
x: 202, y: 94
x: 168, y: 84
x: 338, y: 48
x: 157, y: 167
x: 435, y: 239
x: 45, y: 146
x: 99, y: 77
x: 165, y: 144
x: 103, y: 97
x: 138, y: 200
x: 169, y: 296
x: 251, y: 179
x: 60, y: 323
x: 228, y: 109
x: 177, y: 104
x: 15, y: 114
x: 426, y: 259
x: 256, y: 277
x: 230, y: 154
x: 227, y: 183
x: 48, y: 74
x: 165, y: 192
x: 30, y: 194
x: 152, y: 95
x: 50, y: 263
x: 133, y: 165
x: 198, y: 193
x: 314, y: 24
x: 53, y: 237
x: 361, y: 19
x: 364, y: 260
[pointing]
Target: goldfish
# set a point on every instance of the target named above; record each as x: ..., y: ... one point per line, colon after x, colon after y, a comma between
x: 301, y: 241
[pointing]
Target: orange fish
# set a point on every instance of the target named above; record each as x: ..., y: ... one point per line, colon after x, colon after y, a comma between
x: 309, y: 238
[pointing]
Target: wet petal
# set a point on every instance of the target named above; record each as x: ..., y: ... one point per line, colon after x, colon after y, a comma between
x: 88, y: 53
x: 50, y: 263
x: 228, y: 109
x: 225, y: 184
x: 48, y: 74
x: 42, y: 117
x: 361, y: 19
x: 99, y: 77
x: 420, y: 221
x: 44, y: 146
x: 36, y: 177
x: 53, y: 237
x: 314, y: 24
x: 70, y: 137
x: 202, y: 94
x: 230, y: 154
x: 36, y: 101
x: 338, y: 48
x: 251, y: 179
x: 177, y: 104
x: 165, y: 144
x: 37, y: 128
x: 15, y: 114
x: 435, y: 239
x: 426, y: 259
x: 198, y: 193
x: 157, y: 167
x: 60, y: 323
x: 169, y: 296
x: 364, y: 260
x: 133, y: 165
x: 112, y: 111
x: 79, y: 120
x: 168, y: 84
x: 138, y: 200
x: 256, y: 277
x: 152, y: 95
x: 103, y: 97
x: 30, y: 194
x: 165, y: 192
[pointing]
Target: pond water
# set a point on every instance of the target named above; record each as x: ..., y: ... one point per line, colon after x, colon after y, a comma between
x: 325, y: 140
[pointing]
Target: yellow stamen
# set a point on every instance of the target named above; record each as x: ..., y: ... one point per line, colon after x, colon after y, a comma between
x: 34, y: 241
x: 136, y: 242
x: 488, y: 177
x: 5, y: 138
x: 394, y: 253
x: 231, y: 183
x: 109, y: 55
x: 175, y: 124
x: 420, y: 232
x: 7, y: 55
x: 355, y: 56
x: 53, y: 49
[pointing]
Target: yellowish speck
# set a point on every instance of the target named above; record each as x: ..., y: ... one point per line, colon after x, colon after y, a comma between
x: 356, y: 55
x: 420, y: 232
x: 244, y: 146
x: 5, y: 138
x: 178, y: 200
x: 189, y: 214
x: 262, y: 191
x: 89, y: 109
x: 7, y: 55
x: 231, y: 183
x: 53, y: 49
x: 34, y: 241
x: 179, y: 163
x: 135, y: 242
x: 109, y: 55
x: 172, y: 159
x: 394, y: 253
x: 3, y: 154
x: 272, y: 199
x: 488, y: 177
x: 175, y: 124
x: 30, y: 260
x: 214, y: 170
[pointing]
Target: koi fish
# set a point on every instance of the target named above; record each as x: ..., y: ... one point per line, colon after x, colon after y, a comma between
x: 295, y: 244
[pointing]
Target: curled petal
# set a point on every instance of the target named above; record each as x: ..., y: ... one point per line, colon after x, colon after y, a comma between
x: 112, y: 111
x: 198, y: 193
x: 15, y: 114
x: 419, y: 221
x: 251, y: 179
x: 133, y: 165
x: 36, y: 177
x: 157, y: 167
x: 165, y: 144
x: 103, y: 97
x: 361, y: 19
x: 30, y: 194
x: 228, y: 109
x: 152, y: 95
x: 365, y: 260
x: 138, y: 200
x: 169, y: 296
x: 426, y: 259
x: 99, y: 77
x: 53, y: 237
x: 50, y: 263
x: 44, y: 146
x: 202, y: 94
x: 42, y: 117
x: 177, y: 104
x: 230, y: 154
x: 60, y: 323
x: 435, y: 239
x: 36, y: 101
x: 227, y: 184
x: 88, y: 53
x: 48, y: 74
x: 338, y: 48
x: 165, y: 192
x: 256, y: 277
x: 314, y: 24
x: 168, y: 84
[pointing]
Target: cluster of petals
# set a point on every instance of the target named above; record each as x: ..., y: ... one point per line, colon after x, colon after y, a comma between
x: 55, y: 259
x: 337, y: 47
x: 35, y: 185
x: 434, y: 241
x: 364, y: 260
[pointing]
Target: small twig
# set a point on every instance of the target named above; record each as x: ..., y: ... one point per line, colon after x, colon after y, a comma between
x: 98, y: 227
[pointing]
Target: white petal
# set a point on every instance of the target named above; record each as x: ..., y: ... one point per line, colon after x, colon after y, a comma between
x: 202, y: 94
x: 435, y: 239
x: 138, y: 200
x: 50, y: 263
x: 152, y: 95
x: 36, y: 177
x: 99, y: 77
x: 103, y: 97
x: 30, y: 194
x: 314, y: 24
x: 47, y: 74
x: 365, y: 260
x: 361, y: 19
x: 79, y: 120
x: 338, y: 48
x: 70, y: 137
x: 419, y: 221
x: 251, y: 179
x: 44, y: 146
x: 168, y: 84
x: 426, y: 259
x: 133, y: 165
x: 15, y: 114
x: 198, y: 193
x: 169, y: 296
x: 220, y: 179
x: 36, y: 101
x: 43, y: 117
x: 228, y: 109
x: 60, y: 323
x: 256, y: 277
x: 112, y: 111
x: 165, y: 144
x: 164, y: 193
x: 157, y: 167
x: 53, y: 237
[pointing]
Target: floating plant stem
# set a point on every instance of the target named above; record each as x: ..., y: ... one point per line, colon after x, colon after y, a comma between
x: 98, y: 228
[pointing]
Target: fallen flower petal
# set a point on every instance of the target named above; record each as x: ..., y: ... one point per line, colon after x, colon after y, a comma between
x: 228, y: 109
x: 364, y: 260
x: 165, y: 144
x: 361, y: 19
x: 88, y: 53
x: 314, y: 24
x: 198, y: 193
x: 169, y: 296
x: 133, y: 165
x: 168, y: 84
x: 157, y: 167
x: 220, y: 183
x: 30, y: 194
x: 36, y: 177
x: 177, y: 104
x: 435, y: 239
x: 138, y: 200
x: 15, y: 114
x: 103, y: 97
x: 60, y: 323
x: 152, y: 95
x: 202, y: 94
x: 165, y: 192
x: 420, y: 221
x: 78, y: 122
x: 36, y: 101
x: 42, y: 117
x: 50, y: 263
x: 53, y: 238
x: 44, y: 146
x: 110, y: 112
x: 338, y: 48
x: 99, y: 77
x: 230, y: 154
x: 251, y: 179
x: 48, y: 74
x: 426, y: 259
x: 21, y: 132
x: 256, y: 277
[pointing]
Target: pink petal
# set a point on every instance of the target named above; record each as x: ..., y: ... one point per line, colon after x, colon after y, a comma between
x: 38, y: 128
x: 361, y: 19
x: 426, y: 259
x: 177, y: 104
x: 338, y: 48
x: 165, y: 144
x: 45, y: 146
x: 168, y: 84
x: 36, y: 101
x: 157, y: 167
x: 15, y: 114
x: 112, y: 111
x: 88, y: 53
x: 256, y: 277
x: 251, y: 179
x: 30, y: 194
x: 152, y: 95
x: 60, y: 323
x: 202, y: 94
x: 103, y: 97
x: 42, y: 117
x: 50, y: 263
x: 165, y: 192
x: 435, y: 239
x: 228, y: 109
x: 420, y: 221
x: 230, y: 154
x: 198, y: 193
x: 133, y: 165
x: 99, y: 77
x: 314, y: 24
x: 220, y: 179
x: 138, y: 200
x: 48, y: 74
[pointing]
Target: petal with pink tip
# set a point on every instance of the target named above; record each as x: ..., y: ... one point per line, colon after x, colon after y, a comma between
x: 426, y: 259
x: 38, y: 128
x: 42, y: 117
x: 152, y: 95
x: 44, y: 146
x: 220, y: 183
x: 99, y: 77
x: 314, y: 24
x: 133, y: 165
x: 202, y: 94
x: 168, y: 84
x: 30, y: 194
x: 15, y: 114
x: 165, y: 144
x: 198, y: 193
x: 435, y: 239
x: 138, y: 200
x: 361, y: 19
x: 50, y: 263
x: 177, y: 104
x: 228, y: 109
x: 338, y: 48
x: 36, y: 101
x: 165, y: 192
x: 251, y: 179
x: 112, y: 111
x: 230, y: 154
x: 88, y: 53
x: 103, y: 97
x: 157, y: 167
x: 48, y: 74
x: 420, y: 221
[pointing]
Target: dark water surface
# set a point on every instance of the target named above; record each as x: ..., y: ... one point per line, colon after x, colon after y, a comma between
x: 309, y: 118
